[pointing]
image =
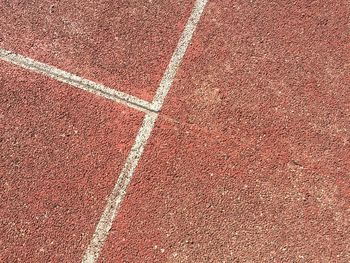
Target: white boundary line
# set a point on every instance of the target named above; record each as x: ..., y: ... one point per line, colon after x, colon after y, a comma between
x: 116, y: 197
x: 178, y: 55
x: 76, y: 81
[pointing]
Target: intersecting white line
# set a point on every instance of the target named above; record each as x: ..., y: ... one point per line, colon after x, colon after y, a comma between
x: 115, y: 199
x: 151, y: 110
x: 76, y: 81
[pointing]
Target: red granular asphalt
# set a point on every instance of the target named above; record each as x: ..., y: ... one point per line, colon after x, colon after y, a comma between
x: 200, y: 197
x: 249, y: 161
x: 123, y: 44
x: 61, y: 150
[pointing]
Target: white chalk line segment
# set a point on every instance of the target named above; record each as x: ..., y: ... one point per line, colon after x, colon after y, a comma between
x: 115, y: 199
x: 76, y: 81
x: 178, y: 55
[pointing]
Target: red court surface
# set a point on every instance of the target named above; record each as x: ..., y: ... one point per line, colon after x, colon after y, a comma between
x: 250, y: 160
x: 122, y: 44
x: 61, y: 151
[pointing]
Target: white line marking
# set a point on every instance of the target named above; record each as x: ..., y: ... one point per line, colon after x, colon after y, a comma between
x: 178, y: 55
x: 76, y: 81
x: 115, y: 199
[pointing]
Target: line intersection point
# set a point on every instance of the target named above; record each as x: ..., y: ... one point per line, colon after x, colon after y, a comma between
x: 151, y: 110
x: 116, y: 197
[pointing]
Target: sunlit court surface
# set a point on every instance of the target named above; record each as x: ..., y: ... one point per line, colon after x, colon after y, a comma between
x: 194, y: 131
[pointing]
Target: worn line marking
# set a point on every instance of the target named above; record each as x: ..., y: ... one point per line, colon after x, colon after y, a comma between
x: 76, y: 81
x: 116, y: 197
x: 178, y: 54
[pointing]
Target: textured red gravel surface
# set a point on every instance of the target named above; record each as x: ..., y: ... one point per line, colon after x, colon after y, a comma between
x: 250, y: 159
x: 123, y: 44
x: 61, y: 150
